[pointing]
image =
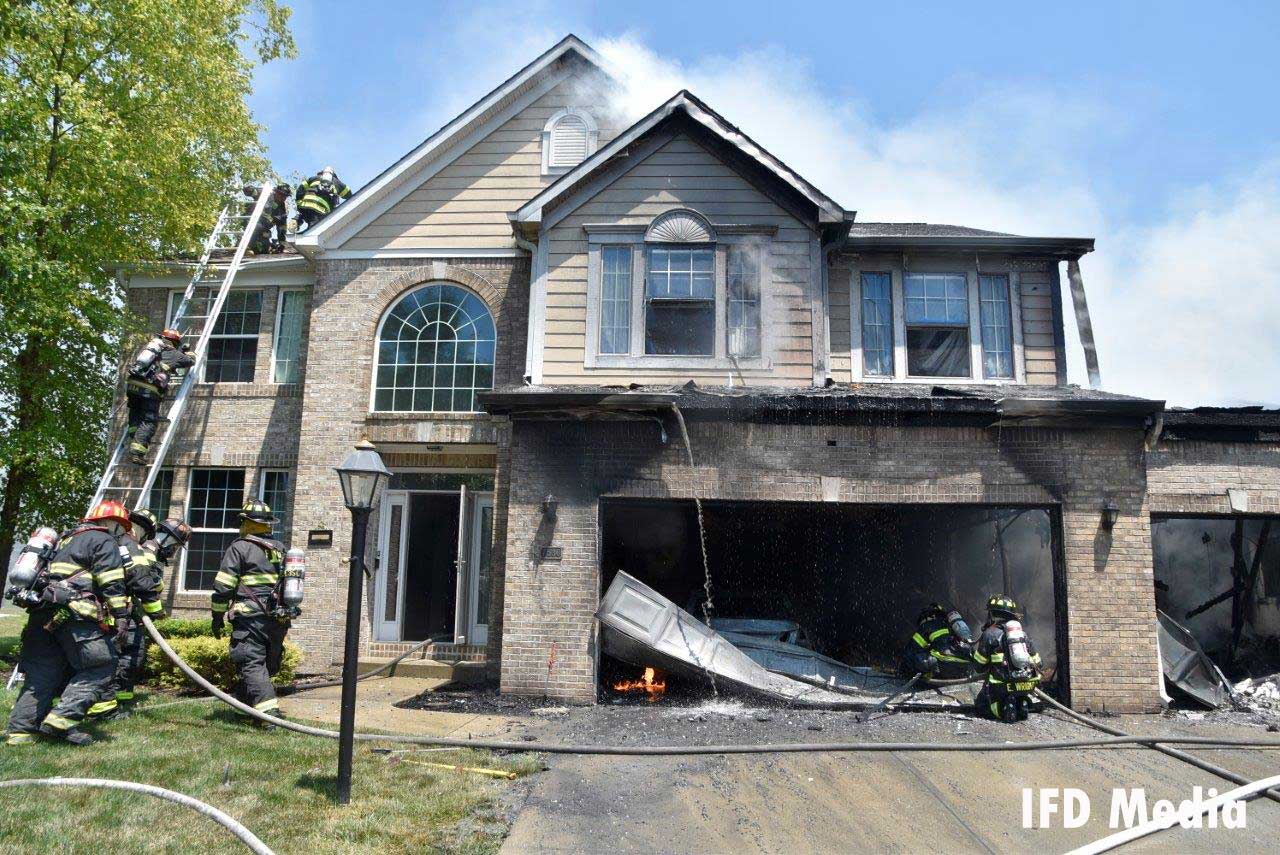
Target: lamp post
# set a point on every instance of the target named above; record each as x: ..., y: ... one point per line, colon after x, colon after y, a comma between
x: 363, y: 476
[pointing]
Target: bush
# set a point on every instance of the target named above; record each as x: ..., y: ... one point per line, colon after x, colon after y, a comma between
x: 184, y: 627
x: 211, y: 659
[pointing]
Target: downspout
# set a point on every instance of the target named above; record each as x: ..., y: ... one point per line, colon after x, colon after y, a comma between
x: 532, y: 249
x: 1084, y: 323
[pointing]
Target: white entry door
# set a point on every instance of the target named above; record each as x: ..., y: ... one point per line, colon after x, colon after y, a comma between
x: 389, y: 585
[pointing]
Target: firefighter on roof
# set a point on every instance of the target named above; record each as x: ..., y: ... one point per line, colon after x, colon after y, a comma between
x: 1008, y: 658
x: 146, y: 385
x: 274, y: 216
x: 319, y: 195
x: 69, y: 643
x: 246, y: 590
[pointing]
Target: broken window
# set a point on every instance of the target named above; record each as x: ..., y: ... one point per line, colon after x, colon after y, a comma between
x: 615, y: 299
x: 742, y: 279
x: 877, y: 325
x: 680, y: 307
x: 937, y: 307
x: 997, y: 326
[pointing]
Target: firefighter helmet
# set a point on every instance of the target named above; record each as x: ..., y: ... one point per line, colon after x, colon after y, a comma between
x: 172, y: 335
x: 173, y: 532
x: 1003, y: 607
x: 256, y: 511
x: 284, y: 189
x: 933, y: 610
x: 144, y: 519
x: 108, y: 511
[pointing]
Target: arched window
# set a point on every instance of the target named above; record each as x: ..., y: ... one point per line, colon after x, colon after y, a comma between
x: 568, y: 138
x: 435, y: 351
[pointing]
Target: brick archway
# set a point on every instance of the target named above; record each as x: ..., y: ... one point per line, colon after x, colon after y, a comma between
x: 438, y: 271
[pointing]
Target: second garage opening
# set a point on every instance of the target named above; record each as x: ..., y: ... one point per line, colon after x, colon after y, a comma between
x: 853, y: 577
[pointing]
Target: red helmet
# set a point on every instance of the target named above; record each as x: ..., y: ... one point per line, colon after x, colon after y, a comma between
x: 172, y: 335
x: 109, y: 510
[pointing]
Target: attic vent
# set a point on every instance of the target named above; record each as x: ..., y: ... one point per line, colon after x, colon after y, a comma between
x: 568, y: 139
x: 680, y: 227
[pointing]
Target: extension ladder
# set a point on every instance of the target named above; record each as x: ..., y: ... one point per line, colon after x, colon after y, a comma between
x: 197, y: 313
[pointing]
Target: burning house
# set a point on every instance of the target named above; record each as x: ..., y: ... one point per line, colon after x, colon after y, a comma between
x: 588, y: 344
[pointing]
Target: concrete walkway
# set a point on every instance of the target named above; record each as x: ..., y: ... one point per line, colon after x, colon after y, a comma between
x: 376, y: 710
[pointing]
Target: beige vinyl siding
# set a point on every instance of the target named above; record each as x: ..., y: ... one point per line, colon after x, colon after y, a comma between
x: 838, y: 361
x: 1037, y: 327
x: 682, y: 174
x: 466, y: 203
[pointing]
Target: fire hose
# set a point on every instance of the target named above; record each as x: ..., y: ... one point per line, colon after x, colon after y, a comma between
x: 1212, y: 768
x: 228, y: 822
x: 381, y: 669
x: 676, y: 750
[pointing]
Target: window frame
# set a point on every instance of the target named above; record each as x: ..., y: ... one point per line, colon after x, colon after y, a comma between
x: 377, y: 339
x: 175, y: 297
x: 285, y: 516
x: 898, y: 267
x: 275, y: 334
x: 189, y: 515
x: 593, y: 138
x: 633, y: 235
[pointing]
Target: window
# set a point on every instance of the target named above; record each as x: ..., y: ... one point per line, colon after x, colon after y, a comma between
x: 680, y: 306
x: 160, y: 496
x: 435, y: 351
x: 615, y: 299
x: 216, y: 497
x: 937, y: 321
x: 877, y: 325
x: 275, y: 489
x: 997, y: 326
x: 288, y: 338
x: 233, y: 345
x: 742, y: 280
x: 568, y: 138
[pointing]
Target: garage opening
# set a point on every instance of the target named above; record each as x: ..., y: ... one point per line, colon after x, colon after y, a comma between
x: 1220, y: 578
x: 853, y: 577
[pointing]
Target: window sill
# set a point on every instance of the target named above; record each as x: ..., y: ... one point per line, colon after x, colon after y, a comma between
x: 943, y: 381
x: 754, y: 363
x: 247, y: 390
x: 431, y: 416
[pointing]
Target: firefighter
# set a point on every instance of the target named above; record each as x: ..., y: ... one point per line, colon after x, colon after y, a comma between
x: 68, y: 645
x: 1008, y: 659
x: 146, y: 385
x: 274, y: 216
x: 942, y: 646
x: 316, y: 197
x: 245, y: 591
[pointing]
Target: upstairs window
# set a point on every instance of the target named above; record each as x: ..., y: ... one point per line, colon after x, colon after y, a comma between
x: 568, y: 138
x: 997, y: 326
x: 233, y: 344
x: 937, y: 306
x: 288, y: 338
x: 680, y: 301
x: 742, y: 283
x: 877, y: 325
x: 615, y: 299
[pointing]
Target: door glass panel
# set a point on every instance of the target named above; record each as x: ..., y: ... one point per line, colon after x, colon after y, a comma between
x: 484, y: 560
x: 393, y: 562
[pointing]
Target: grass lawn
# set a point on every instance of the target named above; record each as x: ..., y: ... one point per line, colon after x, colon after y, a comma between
x: 278, y: 784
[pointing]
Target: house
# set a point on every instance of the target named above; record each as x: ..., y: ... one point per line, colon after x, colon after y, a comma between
x: 585, y: 343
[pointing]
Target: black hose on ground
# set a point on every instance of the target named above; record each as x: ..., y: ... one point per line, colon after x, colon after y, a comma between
x: 228, y: 822
x: 381, y: 669
x: 678, y: 750
x: 1212, y: 768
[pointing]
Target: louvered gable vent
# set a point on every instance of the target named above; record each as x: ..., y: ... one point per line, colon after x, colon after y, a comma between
x: 569, y: 141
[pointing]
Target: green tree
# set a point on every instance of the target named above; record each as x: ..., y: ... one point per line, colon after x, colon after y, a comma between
x: 121, y: 124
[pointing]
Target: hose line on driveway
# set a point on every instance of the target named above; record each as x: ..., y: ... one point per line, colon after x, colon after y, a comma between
x: 677, y: 750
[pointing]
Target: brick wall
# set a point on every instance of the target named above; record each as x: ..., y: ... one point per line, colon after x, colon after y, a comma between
x: 1192, y: 477
x: 548, y: 633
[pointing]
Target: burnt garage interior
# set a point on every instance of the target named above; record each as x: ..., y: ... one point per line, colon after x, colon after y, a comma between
x: 853, y: 576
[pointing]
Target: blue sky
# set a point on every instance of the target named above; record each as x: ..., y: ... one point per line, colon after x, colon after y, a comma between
x: 1145, y: 127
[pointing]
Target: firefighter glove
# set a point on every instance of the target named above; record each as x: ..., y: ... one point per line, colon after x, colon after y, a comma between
x: 218, y: 622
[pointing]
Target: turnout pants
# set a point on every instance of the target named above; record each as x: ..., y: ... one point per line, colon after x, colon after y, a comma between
x: 144, y: 415
x: 257, y: 643
x: 131, y: 660
x: 75, y: 660
x: 309, y: 216
x: 999, y: 702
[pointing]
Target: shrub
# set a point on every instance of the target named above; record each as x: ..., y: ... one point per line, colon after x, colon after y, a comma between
x: 211, y: 659
x: 185, y: 627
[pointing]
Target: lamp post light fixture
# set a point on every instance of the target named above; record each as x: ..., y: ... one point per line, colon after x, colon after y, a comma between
x: 363, y: 478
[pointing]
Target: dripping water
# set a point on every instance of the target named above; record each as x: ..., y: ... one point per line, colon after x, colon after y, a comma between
x: 702, y: 538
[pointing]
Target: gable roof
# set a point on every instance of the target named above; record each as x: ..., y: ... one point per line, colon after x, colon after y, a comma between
x: 403, y: 176
x: 684, y: 103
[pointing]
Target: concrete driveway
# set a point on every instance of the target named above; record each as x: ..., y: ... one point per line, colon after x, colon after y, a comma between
x: 899, y: 802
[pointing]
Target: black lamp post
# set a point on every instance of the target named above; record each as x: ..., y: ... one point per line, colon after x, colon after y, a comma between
x: 363, y: 476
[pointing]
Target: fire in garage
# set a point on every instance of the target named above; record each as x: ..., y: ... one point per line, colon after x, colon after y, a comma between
x: 847, y: 579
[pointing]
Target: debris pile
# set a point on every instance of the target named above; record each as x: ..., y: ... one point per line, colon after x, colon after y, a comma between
x: 1259, y: 699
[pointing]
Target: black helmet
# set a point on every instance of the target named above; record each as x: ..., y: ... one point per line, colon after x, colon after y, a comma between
x: 258, y: 512
x: 1000, y: 606
x: 144, y: 519
x: 173, y: 533
x: 933, y: 610
x: 284, y: 188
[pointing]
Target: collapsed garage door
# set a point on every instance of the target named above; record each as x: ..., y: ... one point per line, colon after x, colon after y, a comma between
x: 853, y: 576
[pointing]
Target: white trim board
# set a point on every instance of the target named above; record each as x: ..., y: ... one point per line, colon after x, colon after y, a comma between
x: 445, y: 252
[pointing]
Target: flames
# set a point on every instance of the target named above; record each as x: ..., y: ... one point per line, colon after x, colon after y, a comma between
x: 653, y: 683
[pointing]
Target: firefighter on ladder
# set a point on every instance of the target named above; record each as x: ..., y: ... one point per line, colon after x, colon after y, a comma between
x: 146, y: 385
x: 1010, y: 662
x: 245, y: 591
x: 316, y: 197
x: 274, y: 216
x: 146, y: 551
x: 69, y: 642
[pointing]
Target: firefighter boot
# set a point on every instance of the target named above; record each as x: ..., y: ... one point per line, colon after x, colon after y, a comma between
x: 137, y: 454
x: 1023, y: 704
x: 75, y: 736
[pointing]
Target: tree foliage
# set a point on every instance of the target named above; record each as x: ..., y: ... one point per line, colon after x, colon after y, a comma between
x: 121, y: 124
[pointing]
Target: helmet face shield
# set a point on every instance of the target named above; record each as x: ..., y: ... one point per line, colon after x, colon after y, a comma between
x: 172, y: 534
